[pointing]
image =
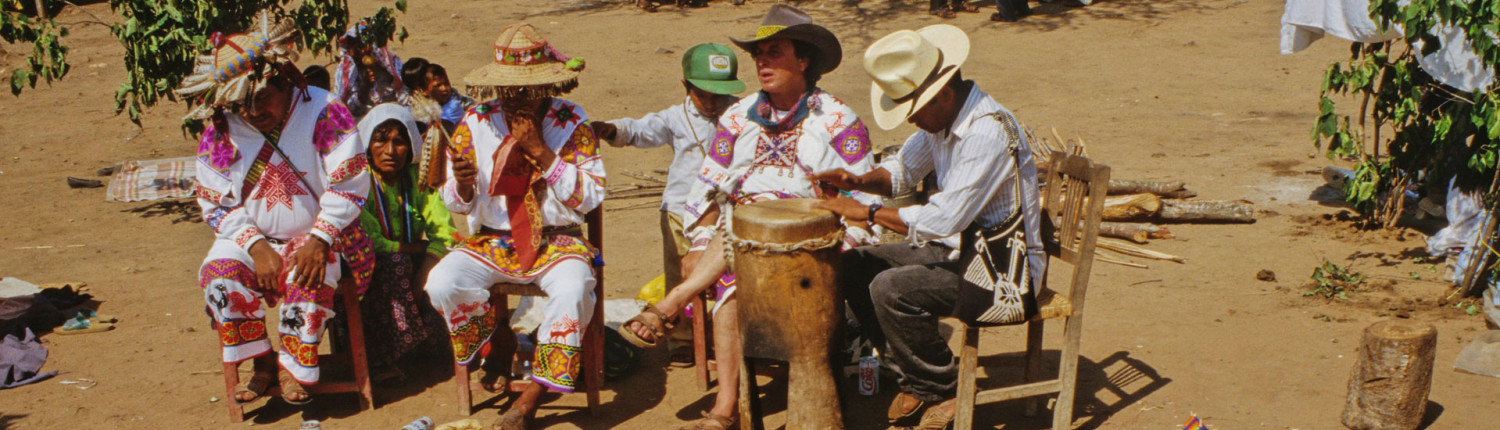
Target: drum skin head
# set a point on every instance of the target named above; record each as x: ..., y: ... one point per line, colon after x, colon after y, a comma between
x: 783, y: 221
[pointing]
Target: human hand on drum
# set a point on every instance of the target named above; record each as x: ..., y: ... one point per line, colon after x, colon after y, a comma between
x: 846, y: 207
x: 830, y: 182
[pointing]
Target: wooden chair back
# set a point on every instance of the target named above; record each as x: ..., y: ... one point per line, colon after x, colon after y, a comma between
x: 1071, y: 209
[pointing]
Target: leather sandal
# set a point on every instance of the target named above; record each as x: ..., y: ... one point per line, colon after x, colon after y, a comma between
x: 290, y: 386
x: 513, y: 419
x: 257, y: 385
x: 939, y: 416
x: 658, y: 330
x: 712, y: 422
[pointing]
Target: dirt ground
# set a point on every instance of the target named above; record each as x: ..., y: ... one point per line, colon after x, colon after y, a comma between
x: 1190, y: 90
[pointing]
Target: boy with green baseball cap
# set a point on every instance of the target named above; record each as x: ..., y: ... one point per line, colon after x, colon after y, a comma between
x: 709, y: 75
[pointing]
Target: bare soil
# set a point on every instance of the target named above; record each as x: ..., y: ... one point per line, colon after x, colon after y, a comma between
x: 1190, y: 90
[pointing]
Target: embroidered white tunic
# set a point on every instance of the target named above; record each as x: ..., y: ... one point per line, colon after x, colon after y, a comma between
x: 748, y: 163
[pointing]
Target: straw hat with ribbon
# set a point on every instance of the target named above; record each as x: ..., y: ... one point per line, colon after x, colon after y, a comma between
x: 238, y: 64
x: 525, y: 64
x: 786, y: 22
x: 910, y: 67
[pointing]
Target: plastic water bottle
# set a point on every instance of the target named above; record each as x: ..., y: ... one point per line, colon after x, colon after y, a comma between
x: 869, y: 374
x: 423, y: 423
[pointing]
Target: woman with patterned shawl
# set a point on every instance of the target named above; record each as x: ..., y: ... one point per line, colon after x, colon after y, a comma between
x: 281, y: 178
x: 410, y: 230
x: 367, y: 75
x: 524, y: 167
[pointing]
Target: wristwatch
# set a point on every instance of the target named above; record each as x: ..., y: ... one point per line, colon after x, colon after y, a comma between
x: 875, y: 207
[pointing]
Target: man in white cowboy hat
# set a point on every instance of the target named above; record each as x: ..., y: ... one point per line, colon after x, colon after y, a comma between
x: 967, y: 139
x: 524, y: 167
x: 710, y: 77
x: 766, y: 147
x: 282, y: 176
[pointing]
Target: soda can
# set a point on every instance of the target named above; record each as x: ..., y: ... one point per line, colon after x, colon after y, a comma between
x: 869, y: 375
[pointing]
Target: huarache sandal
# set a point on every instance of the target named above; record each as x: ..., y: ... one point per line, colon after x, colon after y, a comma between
x: 967, y: 8
x: 647, y: 5
x: 255, y: 386
x: 290, y: 387
x: 711, y: 422
x: 513, y: 419
x: 943, y: 13
x: 939, y: 416
x: 658, y: 323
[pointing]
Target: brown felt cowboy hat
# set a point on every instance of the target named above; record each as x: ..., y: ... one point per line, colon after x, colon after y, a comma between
x: 786, y: 22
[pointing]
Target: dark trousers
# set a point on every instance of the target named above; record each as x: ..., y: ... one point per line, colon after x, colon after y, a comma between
x: 898, y: 292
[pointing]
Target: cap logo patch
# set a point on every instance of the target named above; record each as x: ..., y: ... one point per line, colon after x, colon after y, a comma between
x: 718, y: 63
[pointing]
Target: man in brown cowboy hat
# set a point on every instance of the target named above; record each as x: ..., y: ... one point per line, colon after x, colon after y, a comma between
x: 282, y: 177
x: 524, y: 168
x: 898, y: 291
x: 765, y: 147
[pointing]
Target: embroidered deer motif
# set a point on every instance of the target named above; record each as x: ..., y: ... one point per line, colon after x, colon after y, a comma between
x: 562, y: 328
x: 461, y: 313
x: 292, y: 318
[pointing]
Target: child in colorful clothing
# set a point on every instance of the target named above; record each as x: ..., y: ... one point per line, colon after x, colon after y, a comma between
x: 281, y: 178
x: 525, y: 169
x: 410, y: 230
x: 432, y: 95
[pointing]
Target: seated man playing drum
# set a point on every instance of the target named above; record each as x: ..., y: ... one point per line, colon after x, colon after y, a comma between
x: 966, y: 138
x: 766, y: 147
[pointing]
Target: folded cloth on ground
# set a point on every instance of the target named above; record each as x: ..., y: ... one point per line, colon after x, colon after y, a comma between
x: 153, y: 179
x: 21, y: 357
x: 42, y: 311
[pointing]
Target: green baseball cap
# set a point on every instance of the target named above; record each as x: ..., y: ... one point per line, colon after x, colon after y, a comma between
x: 713, y: 68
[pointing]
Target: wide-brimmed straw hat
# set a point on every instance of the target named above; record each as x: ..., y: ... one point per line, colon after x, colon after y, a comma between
x: 524, y: 61
x: 786, y: 22
x: 237, y: 65
x: 910, y: 67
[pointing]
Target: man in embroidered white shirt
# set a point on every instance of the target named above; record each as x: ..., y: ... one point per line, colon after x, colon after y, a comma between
x: 709, y: 75
x: 899, y: 290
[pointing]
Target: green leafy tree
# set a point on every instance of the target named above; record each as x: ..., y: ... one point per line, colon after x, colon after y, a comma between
x: 21, y: 23
x: 1436, y: 132
x: 161, y: 37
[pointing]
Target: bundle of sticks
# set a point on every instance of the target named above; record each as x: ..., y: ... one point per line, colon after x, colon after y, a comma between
x: 1134, y: 208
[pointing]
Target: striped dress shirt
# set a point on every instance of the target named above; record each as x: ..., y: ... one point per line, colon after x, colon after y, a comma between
x: 976, y: 176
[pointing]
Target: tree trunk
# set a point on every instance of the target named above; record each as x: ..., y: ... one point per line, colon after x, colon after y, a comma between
x: 1205, y: 211
x: 1134, y: 232
x: 1392, y: 376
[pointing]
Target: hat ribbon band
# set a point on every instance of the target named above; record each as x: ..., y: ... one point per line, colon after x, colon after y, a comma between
x: 537, y: 54
x: 768, y: 30
x: 937, y: 70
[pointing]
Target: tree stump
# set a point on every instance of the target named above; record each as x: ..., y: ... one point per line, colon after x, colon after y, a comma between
x: 1392, y: 376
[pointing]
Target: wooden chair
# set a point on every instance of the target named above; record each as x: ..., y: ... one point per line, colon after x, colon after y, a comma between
x: 593, y: 335
x: 1074, y: 198
x: 703, y: 325
x: 353, y: 355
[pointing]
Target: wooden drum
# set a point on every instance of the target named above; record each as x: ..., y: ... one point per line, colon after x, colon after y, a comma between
x: 786, y: 255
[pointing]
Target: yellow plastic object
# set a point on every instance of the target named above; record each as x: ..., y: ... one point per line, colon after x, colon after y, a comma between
x: 653, y: 291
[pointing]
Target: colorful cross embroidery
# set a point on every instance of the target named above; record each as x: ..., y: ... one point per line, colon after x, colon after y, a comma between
x: 563, y: 116
x: 279, y: 184
x: 779, y: 150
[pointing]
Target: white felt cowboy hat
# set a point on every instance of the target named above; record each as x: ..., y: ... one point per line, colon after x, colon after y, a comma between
x: 909, y: 67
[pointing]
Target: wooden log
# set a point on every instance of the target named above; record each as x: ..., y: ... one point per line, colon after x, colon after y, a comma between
x: 1134, y: 232
x: 1392, y: 376
x: 1166, y: 189
x: 1131, y: 207
x: 1205, y: 211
